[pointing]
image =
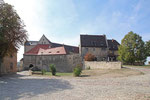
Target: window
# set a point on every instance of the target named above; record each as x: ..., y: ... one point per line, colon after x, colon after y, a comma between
x: 112, y: 52
x: 57, y: 51
x: 11, y: 66
x: 86, y: 49
x: 103, y: 48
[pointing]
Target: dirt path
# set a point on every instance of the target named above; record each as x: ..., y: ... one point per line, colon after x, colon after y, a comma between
x: 24, y: 87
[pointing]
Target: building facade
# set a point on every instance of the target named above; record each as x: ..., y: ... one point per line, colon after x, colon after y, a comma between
x: 99, y: 46
x: 42, y: 53
x: 113, y: 50
x: 9, y: 64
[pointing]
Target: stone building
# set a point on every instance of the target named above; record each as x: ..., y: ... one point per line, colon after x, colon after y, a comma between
x: 99, y: 46
x: 42, y: 53
x: 113, y: 50
x: 9, y: 64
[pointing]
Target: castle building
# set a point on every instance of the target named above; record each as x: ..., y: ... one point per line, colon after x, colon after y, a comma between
x: 42, y: 53
x: 99, y: 46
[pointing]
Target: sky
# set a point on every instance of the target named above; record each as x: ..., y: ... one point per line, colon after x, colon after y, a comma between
x: 63, y: 21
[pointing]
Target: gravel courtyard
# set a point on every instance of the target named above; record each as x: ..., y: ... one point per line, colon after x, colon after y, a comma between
x: 25, y: 87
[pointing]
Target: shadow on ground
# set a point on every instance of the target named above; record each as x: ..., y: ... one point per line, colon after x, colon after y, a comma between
x: 16, y: 86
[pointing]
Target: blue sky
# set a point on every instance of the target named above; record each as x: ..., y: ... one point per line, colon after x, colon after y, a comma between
x: 63, y: 21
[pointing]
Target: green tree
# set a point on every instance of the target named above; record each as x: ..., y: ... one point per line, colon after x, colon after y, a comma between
x: 147, y: 45
x: 132, y: 49
x: 53, y: 69
x: 12, y: 32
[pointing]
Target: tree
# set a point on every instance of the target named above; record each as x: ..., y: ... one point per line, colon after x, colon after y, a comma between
x: 132, y: 49
x: 147, y: 45
x: 12, y: 32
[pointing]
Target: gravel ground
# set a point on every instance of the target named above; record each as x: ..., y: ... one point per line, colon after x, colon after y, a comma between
x: 25, y: 87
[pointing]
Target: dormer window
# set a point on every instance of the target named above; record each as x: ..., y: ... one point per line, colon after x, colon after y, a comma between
x: 57, y: 51
x: 50, y: 52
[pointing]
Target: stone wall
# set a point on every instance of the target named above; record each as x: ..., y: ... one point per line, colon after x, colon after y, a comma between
x: 100, y: 53
x: 102, y: 65
x: 64, y: 63
x: 9, y: 64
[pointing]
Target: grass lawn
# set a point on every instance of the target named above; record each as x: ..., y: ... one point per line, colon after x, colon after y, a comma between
x: 50, y: 74
x: 144, y: 66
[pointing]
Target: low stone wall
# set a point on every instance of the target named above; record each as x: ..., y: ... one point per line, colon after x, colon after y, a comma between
x: 102, y: 65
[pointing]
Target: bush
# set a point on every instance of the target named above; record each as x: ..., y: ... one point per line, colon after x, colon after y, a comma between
x: 89, y: 57
x: 88, y: 68
x: 77, y: 71
x: 53, y: 69
x: 43, y: 71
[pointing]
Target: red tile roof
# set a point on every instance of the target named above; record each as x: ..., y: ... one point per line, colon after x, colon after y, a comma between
x: 35, y: 50
x: 45, y: 49
x: 52, y: 51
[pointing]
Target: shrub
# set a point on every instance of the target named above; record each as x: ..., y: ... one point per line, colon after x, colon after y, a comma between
x: 88, y: 68
x: 77, y: 71
x: 43, y: 71
x: 53, y: 69
x: 89, y: 57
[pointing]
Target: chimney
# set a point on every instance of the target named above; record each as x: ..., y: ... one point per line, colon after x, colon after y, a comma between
x: 112, y: 40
